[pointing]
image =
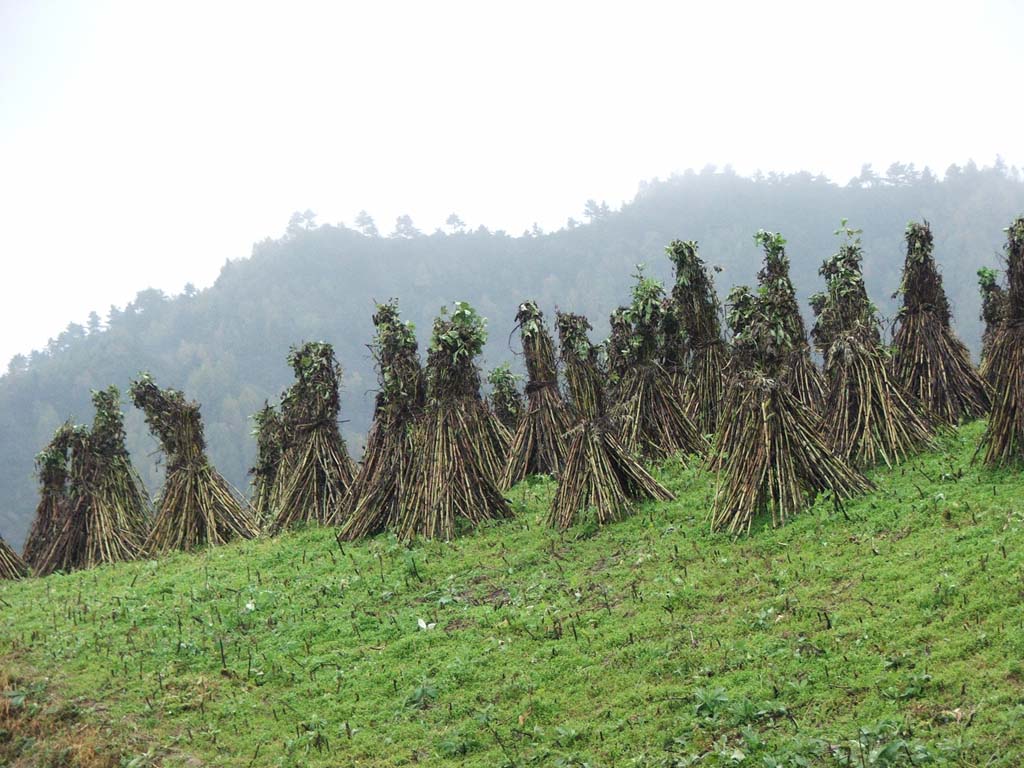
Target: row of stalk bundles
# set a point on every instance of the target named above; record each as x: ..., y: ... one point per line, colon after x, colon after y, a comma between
x: 670, y: 382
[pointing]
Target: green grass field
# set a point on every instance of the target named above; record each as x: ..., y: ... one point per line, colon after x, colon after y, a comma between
x: 891, y: 633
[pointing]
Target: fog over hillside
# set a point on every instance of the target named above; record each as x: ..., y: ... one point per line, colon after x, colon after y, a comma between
x: 226, y: 345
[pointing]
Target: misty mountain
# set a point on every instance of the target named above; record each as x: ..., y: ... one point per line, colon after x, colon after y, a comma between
x: 226, y: 345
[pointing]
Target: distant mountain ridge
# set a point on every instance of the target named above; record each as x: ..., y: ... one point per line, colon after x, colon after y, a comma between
x: 225, y: 346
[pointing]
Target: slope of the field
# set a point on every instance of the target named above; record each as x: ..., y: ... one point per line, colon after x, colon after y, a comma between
x: 891, y: 633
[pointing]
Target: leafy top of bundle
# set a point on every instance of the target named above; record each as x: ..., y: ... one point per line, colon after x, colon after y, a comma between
x: 619, y: 346
x: 776, y: 287
x: 458, y: 337
x: 108, y: 435
x: 501, y: 377
x: 270, y: 442
x: 844, y: 307
x: 645, y: 318
x: 922, y: 285
x: 573, y: 332
x: 397, y: 354
x: 672, y: 334
x: 313, y: 399
x: 537, y: 347
x: 694, y: 294
x: 741, y: 308
x: 52, y: 461
x: 1015, y: 270
x: 172, y: 418
x: 762, y: 332
x: 505, y: 397
x: 582, y: 367
x: 993, y: 297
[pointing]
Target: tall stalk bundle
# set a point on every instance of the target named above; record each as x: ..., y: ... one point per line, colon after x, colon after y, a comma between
x: 743, y: 357
x: 52, y: 471
x: 771, y: 455
x: 316, y: 471
x: 652, y: 415
x: 196, y: 507
x: 374, y: 502
x: 779, y: 460
x: 618, y: 352
x: 993, y: 308
x: 11, y: 566
x: 929, y: 361
x: 599, y: 473
x: 538, y: 444
x: 457, y: 440
x: 799, y: 373
x: 870, y: 419
x: 506, y: 401
x: 108, y: 512
x: 269, y: 434
x: 581, y: 364
x: 1004, y: 365
x: 697, y: 304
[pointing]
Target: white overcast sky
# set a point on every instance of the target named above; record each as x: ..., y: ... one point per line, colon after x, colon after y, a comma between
x: 143, y: 143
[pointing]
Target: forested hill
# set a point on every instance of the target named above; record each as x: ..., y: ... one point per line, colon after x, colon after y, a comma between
x: 226, y: 345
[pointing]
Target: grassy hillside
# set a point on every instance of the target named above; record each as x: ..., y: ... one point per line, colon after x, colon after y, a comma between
x: 891, y: 634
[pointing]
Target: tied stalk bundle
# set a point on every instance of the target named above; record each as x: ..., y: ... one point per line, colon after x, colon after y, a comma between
x: 742, y: 306
x: 375, y: 500
x: 869, y: 417
x: 196, y: 507
x: 457, y: 440
x: 52, y: 471
x: 1004, y: 367
x: 993, y: 309
x: 779, y: 462
x: 652, y: 415
x: 506, y: 401
x: 11, y: 566
x: 697, y: 304
x: 771, y: 456
x: 599, y: 473
x: 929, y: 361
x: 538, y: 444
x: 799, y: 373
x: 316, y: 471
x: 269, y: 434
x: 108, y: 513
x: 617, y: 349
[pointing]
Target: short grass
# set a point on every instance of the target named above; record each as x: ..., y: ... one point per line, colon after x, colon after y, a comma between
x: 888, y: 634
